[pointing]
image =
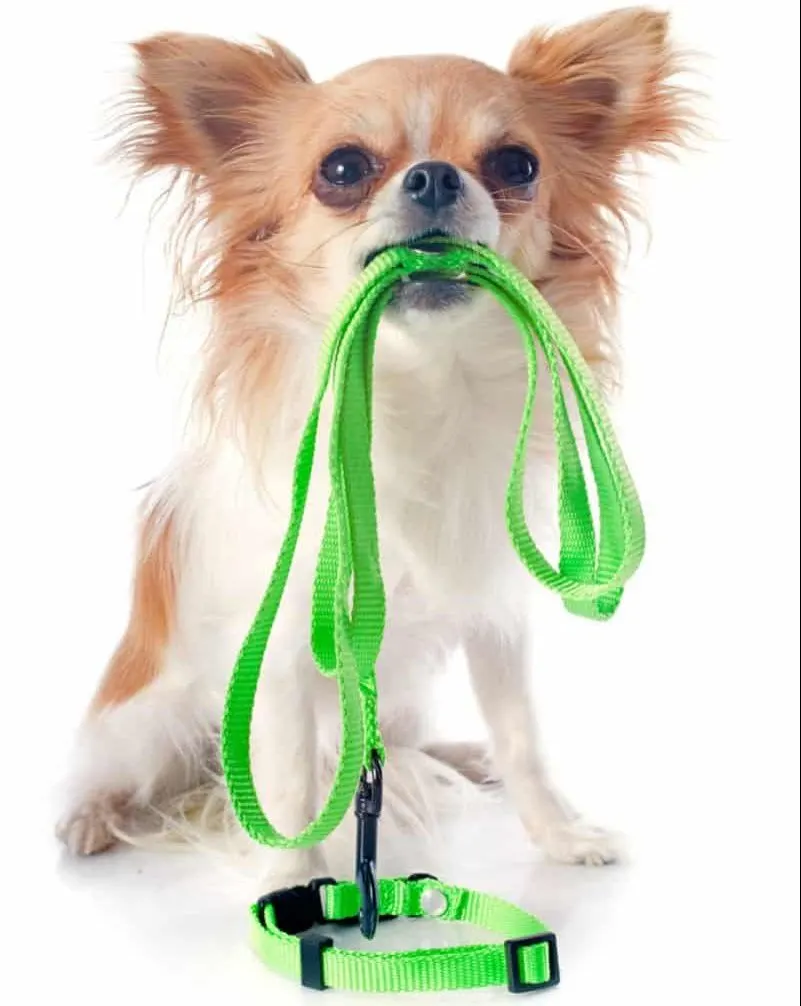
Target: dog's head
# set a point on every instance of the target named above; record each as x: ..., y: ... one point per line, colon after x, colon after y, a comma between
x: 300, y: 183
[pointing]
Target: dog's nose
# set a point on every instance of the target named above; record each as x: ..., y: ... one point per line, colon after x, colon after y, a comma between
x: 434, y: 185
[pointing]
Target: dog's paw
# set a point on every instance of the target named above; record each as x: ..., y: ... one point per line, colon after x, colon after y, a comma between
x: 581, y: 844
x: 89, y: 828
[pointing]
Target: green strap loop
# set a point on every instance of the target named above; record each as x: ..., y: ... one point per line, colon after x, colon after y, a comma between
x: 534, y: 966
x: 348, y: 598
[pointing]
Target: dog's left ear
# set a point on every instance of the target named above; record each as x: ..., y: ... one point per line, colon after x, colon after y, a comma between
x: 605, y: 84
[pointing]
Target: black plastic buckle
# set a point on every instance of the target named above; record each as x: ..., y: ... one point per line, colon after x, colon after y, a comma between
x: 296, y: 909
x: 312, y: 948
x: 512, y: 949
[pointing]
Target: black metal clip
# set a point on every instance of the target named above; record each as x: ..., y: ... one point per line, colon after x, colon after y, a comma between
x: 369, y: 798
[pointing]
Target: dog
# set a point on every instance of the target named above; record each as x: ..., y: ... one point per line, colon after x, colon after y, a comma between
x: 291, y: 187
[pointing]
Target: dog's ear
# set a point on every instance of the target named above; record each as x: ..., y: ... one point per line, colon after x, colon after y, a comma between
x: 198, y: 100
x: 605, y: 84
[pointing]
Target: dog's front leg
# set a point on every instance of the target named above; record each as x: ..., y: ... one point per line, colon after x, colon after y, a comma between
x: 500, y: 675
x: 286, y: 765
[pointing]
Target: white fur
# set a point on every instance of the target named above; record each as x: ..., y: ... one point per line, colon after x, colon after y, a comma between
x: 420, y: 108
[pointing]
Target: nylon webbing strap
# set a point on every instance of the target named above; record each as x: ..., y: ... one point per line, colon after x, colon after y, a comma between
x: 526, y: 961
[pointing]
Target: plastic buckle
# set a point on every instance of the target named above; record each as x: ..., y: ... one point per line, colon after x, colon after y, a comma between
x: 296, y: 909
x: 512, y: 949
x: 312, y: 948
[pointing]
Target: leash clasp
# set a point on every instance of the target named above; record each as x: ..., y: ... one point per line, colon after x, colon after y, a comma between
x: 369, y: 798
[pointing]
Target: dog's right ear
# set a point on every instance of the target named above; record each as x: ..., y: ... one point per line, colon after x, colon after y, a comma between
x: 198, y: 101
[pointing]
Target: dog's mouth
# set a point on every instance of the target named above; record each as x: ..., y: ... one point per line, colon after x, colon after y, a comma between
x: 425, y: 241
x: 426, y: 291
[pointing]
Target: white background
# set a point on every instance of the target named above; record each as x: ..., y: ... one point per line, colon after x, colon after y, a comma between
x: 677, y: 722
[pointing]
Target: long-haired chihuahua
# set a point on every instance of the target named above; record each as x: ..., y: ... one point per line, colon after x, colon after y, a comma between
x: 290, y: 187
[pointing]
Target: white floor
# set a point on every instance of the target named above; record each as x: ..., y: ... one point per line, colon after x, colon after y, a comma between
x: 700, y: 918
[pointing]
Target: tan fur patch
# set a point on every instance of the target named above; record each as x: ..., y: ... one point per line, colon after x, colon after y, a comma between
x: 138, y: 659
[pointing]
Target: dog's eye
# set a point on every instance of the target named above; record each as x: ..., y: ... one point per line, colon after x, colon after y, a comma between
x: 347, y: 166
x: 510, y: 167
x: 344, y: 177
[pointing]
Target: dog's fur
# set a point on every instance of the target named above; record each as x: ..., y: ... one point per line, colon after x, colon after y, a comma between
x: 247, y: 130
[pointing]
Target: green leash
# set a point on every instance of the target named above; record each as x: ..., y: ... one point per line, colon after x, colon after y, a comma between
x: 348, y: 612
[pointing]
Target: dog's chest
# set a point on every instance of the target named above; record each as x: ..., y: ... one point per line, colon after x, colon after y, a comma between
x: 443, y: 452
x: 442, y: 455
